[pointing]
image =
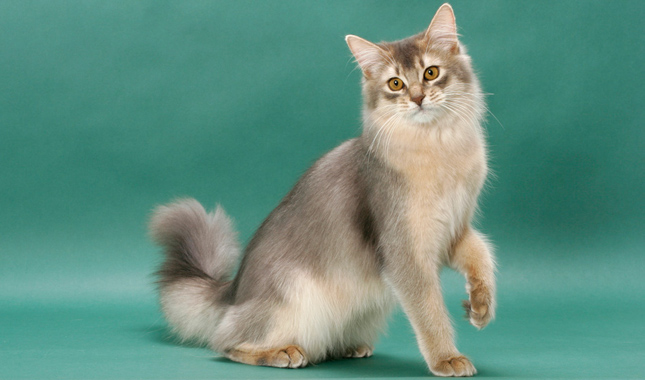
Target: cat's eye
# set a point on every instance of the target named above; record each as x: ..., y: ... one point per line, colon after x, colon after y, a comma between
x: 431, y: 73
x: 395, y: 84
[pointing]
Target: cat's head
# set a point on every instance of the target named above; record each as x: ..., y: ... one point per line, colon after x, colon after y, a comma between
x: 420, y: 80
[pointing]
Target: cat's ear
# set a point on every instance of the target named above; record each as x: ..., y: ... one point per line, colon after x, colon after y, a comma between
x: 442, y: 31
x: 370, y: 57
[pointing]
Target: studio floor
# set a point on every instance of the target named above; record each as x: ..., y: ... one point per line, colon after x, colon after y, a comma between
x: 541, y: 331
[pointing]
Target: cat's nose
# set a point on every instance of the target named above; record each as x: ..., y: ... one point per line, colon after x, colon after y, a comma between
x: 418, y: 99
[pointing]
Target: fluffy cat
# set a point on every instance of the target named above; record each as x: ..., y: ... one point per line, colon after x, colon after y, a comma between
x: 370, y: 223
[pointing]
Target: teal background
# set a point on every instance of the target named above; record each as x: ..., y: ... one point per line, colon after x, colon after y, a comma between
x: 110, y: 108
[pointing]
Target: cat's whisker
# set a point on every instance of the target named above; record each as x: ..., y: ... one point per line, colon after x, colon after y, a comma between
x: 389, y: 136
x: 450, y: 89
x: 466, y: 100
x: 468, y: 109
x: 472, y: 112
x: 377, y: 122
x: 456, y: 113
x: 381, y: 128
x: 495, y: 117
x: 384, y: 129
x: 483, y: 105
x: 387, y: 128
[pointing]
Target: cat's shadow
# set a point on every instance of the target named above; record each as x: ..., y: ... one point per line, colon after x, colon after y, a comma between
x: 161, y: 334
x: 381, y: 364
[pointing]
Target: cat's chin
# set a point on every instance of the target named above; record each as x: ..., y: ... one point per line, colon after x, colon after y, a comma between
x: 423, y: 116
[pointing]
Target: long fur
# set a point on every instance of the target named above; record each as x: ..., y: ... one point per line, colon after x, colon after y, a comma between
x: 201, y: 253
x: 370, y: 223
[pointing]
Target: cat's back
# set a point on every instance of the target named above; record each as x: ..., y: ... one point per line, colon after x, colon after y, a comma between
x: 332, y: 186
x: 321, y: 225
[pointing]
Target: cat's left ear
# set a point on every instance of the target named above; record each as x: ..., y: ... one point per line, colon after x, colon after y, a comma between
x: 442, y: 31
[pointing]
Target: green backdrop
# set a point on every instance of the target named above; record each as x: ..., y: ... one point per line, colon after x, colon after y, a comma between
x: 108, y: 108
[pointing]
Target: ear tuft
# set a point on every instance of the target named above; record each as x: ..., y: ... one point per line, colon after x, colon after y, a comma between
x: 442, y: 31
x: 369, y: 56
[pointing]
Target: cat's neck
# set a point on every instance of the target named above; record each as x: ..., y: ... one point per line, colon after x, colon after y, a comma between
x: 403, y: 141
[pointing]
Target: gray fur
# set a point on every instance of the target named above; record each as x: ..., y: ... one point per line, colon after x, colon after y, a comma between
x: 196, y: 244
x: 355, y: 228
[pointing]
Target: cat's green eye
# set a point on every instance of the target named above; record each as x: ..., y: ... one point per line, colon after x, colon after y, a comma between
x: 431, y: 73
x: 395, y: 84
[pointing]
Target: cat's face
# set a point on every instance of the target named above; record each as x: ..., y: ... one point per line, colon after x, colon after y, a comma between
x: 419, y: 79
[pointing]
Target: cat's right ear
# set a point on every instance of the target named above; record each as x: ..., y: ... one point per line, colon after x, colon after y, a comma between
x: 370, y: 57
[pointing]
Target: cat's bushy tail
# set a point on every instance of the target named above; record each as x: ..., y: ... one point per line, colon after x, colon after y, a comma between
x: 201, y: 252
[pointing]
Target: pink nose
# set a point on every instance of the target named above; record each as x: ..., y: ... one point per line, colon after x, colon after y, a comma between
x: 418, y: 99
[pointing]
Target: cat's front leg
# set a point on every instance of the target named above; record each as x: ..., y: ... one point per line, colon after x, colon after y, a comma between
x: 415, y: 279
x: 473, y: 257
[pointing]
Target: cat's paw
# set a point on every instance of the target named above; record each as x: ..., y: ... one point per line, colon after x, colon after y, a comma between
x: 457, y: 365
x: 480, y: 307
x: 290, y: 357
x: 284, y: 357
x: 359, y: 352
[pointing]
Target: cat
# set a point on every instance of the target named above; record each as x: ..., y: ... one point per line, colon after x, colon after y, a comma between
x: 370, y: 224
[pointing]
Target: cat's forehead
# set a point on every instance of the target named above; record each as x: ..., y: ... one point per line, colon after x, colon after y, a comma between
x: 413, y: 66
x: 407, y: 53
x: 411, y: 54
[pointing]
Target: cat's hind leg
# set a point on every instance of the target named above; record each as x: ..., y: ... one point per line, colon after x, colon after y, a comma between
x: 363, y: 330
x: 290, y: 356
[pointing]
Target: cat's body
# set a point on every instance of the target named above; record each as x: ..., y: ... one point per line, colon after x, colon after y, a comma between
x: 371, y: 222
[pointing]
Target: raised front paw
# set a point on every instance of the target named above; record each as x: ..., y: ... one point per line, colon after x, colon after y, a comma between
x: 480, y: 307
x: 457, y: 365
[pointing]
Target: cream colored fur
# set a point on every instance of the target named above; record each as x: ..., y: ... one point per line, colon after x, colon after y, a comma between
x: 372, y: 222
x: 331, y: 315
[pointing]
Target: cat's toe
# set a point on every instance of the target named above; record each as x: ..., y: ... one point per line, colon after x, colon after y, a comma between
x: 458, y: 366
x: 478, y: 319
x: 288, y: 357
x: 297, y: 358
x: 359, y: 352
x: 480, y: 308
x: 285, y: 357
